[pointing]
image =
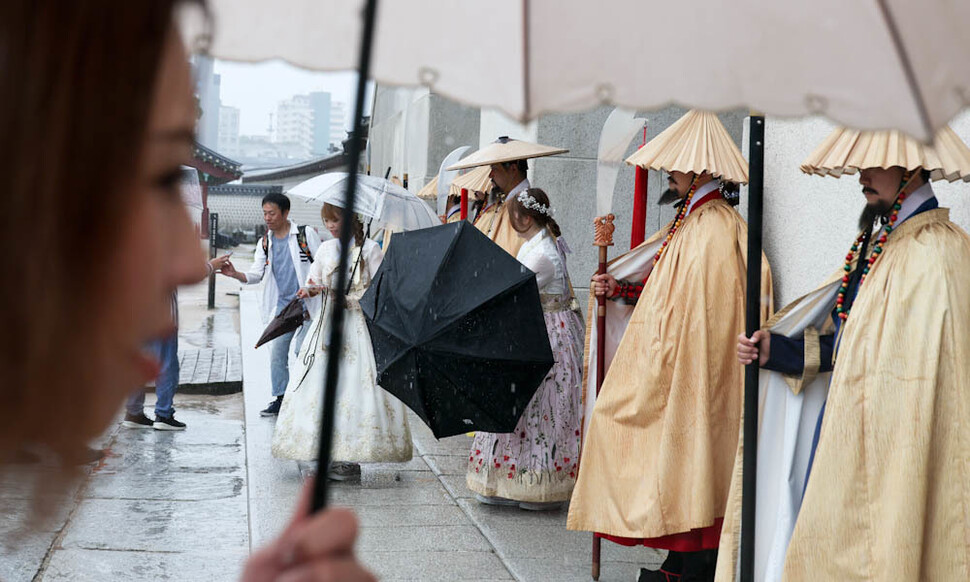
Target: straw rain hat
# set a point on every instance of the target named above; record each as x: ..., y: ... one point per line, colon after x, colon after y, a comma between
x: 430, y: 190
x: 476, y: 180
x: 697, y: 142
x: 505, y: 149
x: 846, y: 151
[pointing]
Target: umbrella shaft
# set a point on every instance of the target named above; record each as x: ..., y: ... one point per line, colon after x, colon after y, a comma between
x: 756, y: 159
x: 332, y: 373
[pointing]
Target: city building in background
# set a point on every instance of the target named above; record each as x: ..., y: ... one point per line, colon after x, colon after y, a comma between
x: 228, y: 142
x: 207, y: 88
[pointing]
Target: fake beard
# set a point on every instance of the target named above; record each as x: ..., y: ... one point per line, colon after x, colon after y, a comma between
x: 872, y: 212
x: 670, y: 196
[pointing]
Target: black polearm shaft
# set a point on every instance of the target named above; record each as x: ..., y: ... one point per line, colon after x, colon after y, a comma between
x: 756, y: 166
x: 213, y: 247
x: 346, y: 235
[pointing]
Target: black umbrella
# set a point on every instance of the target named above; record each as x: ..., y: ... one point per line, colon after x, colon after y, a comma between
x: 290, y: 318
x: 457, y: 329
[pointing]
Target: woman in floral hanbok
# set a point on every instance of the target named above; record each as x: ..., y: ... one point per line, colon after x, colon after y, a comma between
x: 535, y: 466
x: 370, y: 425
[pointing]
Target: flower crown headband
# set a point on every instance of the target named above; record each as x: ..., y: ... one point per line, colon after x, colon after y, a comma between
x: 529, y: 201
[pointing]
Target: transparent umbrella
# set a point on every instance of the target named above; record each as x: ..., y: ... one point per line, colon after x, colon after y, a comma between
x: 869, y: 64
x: 381, y: 200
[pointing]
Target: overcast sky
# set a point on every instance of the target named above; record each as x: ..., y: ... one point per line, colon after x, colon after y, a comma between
x: 256, y: 89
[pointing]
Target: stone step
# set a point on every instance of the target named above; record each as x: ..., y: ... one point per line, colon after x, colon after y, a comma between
x: 215, y: 371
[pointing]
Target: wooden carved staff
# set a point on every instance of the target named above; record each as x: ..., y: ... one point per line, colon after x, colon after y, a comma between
x: 602, y: 238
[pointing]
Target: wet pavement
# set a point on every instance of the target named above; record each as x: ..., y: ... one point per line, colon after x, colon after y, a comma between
x: 418, y: 520
x: 160, y: 505
x: 192, y: 505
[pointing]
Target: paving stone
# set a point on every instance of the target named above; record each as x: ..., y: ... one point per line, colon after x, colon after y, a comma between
x: 268, y: 516
x: 21, y: 516
x: 431, y: 494
x: 409, y: 515
x: 545, y: 569
x: 25, y: 483
x: 79, y: 565
x: 415, y: 464
x: 503, y: 517
x: 165, y: 457
x: 529, y: 541
x: 217, y: 483
x: 448, y: 464
x: 443, y: 566
x: 457, y: 486
x: 202, y: 429
x: 175, y: 526
x: 427, y: 445
x: 22, y: 553
x: 394, y: 479
x: 455, y: 538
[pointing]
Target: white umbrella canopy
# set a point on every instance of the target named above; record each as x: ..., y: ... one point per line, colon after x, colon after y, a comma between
x: 191, y: 188
x: 381, y: 200
x: 867, y: 64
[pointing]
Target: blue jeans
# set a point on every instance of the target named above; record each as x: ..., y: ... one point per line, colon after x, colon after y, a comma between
x: 167, y: 382
x: 279, y: 364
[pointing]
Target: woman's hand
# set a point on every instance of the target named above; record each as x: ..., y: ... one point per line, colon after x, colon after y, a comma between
x: 604, y: 285
x: 316, y: 547
x: 758, y: 346
x: 219, y: 263
x: 311, y: 290
x: 229, y: 270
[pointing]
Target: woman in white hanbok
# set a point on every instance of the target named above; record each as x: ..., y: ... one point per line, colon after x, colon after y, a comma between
x: 370, y: 425
x: 534, y: 467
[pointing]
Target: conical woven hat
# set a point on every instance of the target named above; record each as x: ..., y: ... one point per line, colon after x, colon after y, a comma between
x: 430, y: 190
x: 846, y: 151
x: 506, y: 150
x: 476, y: 180
x: 697, y: 143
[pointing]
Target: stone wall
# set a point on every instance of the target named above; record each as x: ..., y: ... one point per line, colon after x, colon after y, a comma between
x: 809, y: 221
x: 244, y: 212
x: 570, y: 182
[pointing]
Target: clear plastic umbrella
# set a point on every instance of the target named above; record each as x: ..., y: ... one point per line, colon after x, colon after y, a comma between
x: 381, y: 200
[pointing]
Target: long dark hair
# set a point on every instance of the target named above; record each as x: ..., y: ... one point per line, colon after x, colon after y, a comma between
x: 75, y: 97
x: 517, y: 210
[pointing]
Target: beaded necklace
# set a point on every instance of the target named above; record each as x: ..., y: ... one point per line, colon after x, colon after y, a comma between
x: 840, y: 308
x: 678, y: 220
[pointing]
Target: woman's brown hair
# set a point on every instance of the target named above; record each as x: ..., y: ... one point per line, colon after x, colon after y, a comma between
x: 75, y: 96
x: 331, y: 212
x: 518, y: 210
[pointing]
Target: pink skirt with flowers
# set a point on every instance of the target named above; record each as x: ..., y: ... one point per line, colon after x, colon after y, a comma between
x: 538, y: 462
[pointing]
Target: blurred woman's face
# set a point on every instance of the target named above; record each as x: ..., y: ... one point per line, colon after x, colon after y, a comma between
x: 521, y: 222
x: 156, y: 246
x: 333, y: 225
